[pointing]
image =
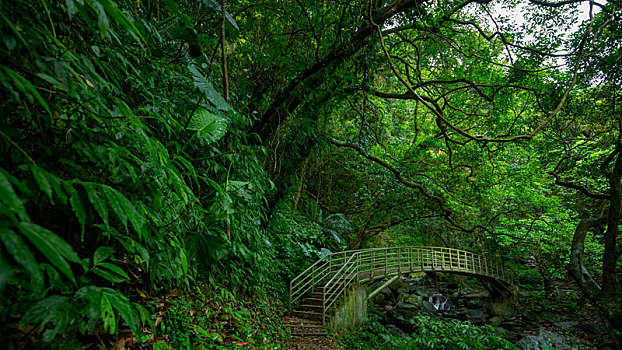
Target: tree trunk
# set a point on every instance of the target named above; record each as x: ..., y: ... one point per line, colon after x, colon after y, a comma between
x: 312, y: 79
x: 610, y: 284
x: 314, y: 76
x: 576, y: 268
x: 299, y: 187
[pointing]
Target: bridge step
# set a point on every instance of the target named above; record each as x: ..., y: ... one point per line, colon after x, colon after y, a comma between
x: 313, y: 301
x: 307, y: 330
x: 296, y: 333
x: 310, y: 307
x: 314, y: 295
x: 303, y: 327
x: 309, y: 315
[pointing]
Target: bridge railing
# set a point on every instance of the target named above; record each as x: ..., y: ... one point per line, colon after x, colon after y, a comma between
x: 317, y: 274
x: 336, y: 271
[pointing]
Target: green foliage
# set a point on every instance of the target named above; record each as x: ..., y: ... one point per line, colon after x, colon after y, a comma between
x: 123, y: 167
x: 211, y: 317
x: 428, y: 334
x: 126, y: 173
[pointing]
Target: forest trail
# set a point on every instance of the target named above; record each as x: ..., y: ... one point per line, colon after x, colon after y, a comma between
x: 308, y: 334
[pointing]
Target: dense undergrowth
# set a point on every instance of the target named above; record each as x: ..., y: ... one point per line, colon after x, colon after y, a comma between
x: 428, y: 334
x: 124, y: 176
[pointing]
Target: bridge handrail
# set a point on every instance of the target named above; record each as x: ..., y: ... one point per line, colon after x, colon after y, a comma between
x: 333, y: 292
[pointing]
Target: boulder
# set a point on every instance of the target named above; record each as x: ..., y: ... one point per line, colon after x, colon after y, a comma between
x: 397, y: 319
x: 414, y: 287
x: 455, y: 281
x: 402, y: 305
x: 566, y: 324
x: 495, y: 321
x: 547, y: 340
x: 395, y: 330
x: 422, y: 292
x: 405, y: 289
x: 402, y: 297
x: 475, y: 303
x: 475, y: 315
x: 500, y: 309
x: 428, y: 309
x: 414, y: 299
x: 398, y: 284
x: 383, y: 297
x: 473, y: 294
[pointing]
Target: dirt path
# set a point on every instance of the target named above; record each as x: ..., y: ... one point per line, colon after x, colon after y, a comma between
x: 307, y: 334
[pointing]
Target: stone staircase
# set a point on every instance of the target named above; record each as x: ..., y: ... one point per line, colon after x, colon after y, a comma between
x: 305, y: 324
x: 310, y: 307
x: 306, y: 319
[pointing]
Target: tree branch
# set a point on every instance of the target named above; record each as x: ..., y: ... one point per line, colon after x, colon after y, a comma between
x: 579, y: 188
x: 447, y: 213
x: 426, y: 101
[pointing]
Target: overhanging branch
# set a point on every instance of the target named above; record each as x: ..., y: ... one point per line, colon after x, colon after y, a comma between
x: 446, y: 212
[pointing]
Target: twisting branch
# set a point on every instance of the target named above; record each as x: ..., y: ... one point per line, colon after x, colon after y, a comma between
x: 446, y: 212
x: 579, y: 188
x: 426, y: 101
x: 289, y: 98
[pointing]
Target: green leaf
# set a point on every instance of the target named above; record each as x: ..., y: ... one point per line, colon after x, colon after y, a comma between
x: 76, y: 205
x: 101, y: 254
x: 41, y: 177
x: 5, y: 272
x: 144, y: 253
x: 124, y: 209
x: 108, y: 315
x: 102, y: 18
x: 216, y: 6
x: 45, y: 310
x: 10, y: 198
x: 57, y: 185
x: 114, y: 202
x: 111, y: 272
x: 124, y: 308
x: 98, y: 202
x: 72, y: 8
x: 54, y: 248
x: 207, y: 88
x: 57, y: 309
x: 210, y: 127
x: 114, y: 268
x: 22, y: 255
x: 118, y: 16
x: 24, y: 86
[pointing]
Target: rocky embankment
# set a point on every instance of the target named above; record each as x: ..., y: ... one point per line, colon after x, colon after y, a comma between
x: 451, y: 296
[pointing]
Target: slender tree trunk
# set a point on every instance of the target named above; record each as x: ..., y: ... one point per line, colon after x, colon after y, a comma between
x: 223, y: 51
x: 299, y: 187
x: 576, y: 267
x: 610, y: 284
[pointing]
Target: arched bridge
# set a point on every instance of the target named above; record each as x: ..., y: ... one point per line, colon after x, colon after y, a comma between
x: 328, y: 278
